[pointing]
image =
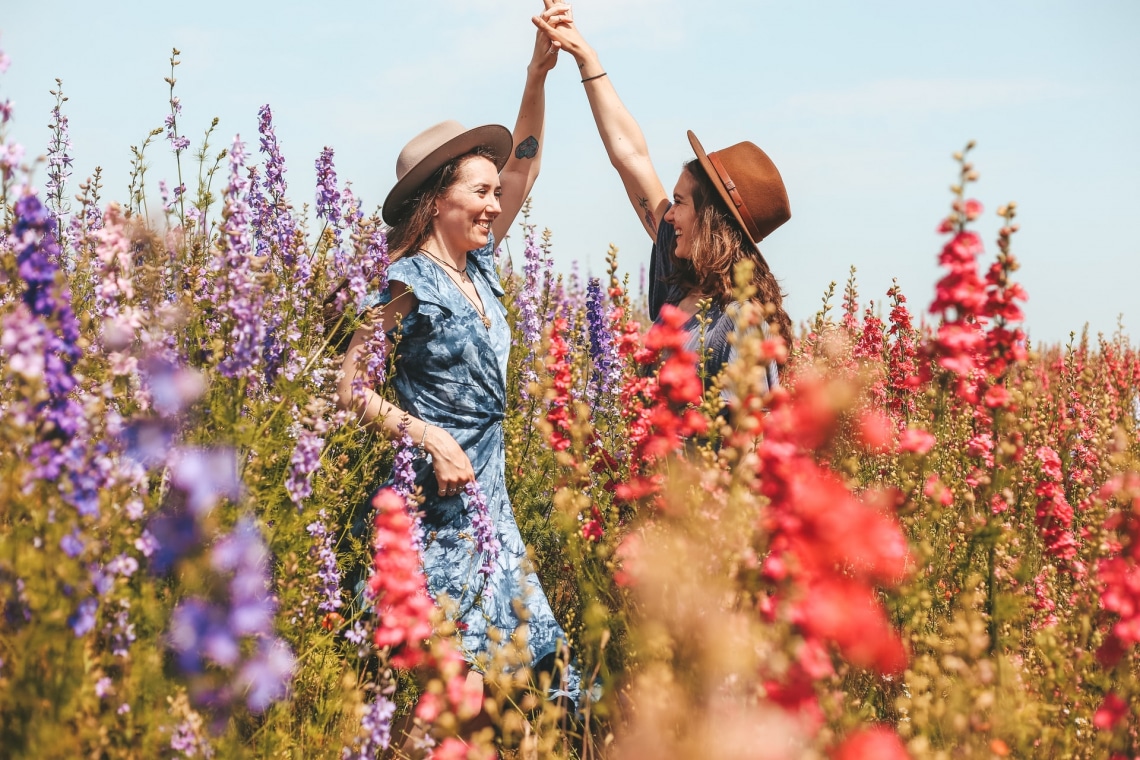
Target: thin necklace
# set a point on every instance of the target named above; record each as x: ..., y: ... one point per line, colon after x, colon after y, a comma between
x: 446, y: 263
x: 463, y: 273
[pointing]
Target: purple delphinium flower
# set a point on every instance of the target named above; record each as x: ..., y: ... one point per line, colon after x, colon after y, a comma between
x: 373, y: 358
x: 170, y: 387
x: 530, y: 321
x: 177, y: 142
x: 103, y: 687
x: 404, y: 481
x: 72, y: 543
x: 375, y: 731
x: 276, y: 227
x: 188, y: 739
x: 239, y: 293
x: 59, y: 168
x: 328, y: 196
x: 266, y: 677
x: 328, y: 571
x: 204, y: 476
x: 84, y: 618
x: 215, y: 629
x: 198, y: 628
x: 121, y: 630
x: 605, y: 379
x: 304, y: 462
x: 243, y: 553
x: 483, y: 529
x: 59, y: 415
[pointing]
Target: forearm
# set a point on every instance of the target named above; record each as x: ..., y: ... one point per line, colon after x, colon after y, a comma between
x: 620, y: 133
x: 381, y: 415
x: 521, y: 170
x: 530, y: 126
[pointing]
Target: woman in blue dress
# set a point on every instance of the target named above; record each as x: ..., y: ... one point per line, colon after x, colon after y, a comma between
x: 457, y: 192
x: 723, y: 204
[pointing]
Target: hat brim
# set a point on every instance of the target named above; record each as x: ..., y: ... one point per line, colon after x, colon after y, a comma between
x: 710, y: 170
x: 494, y: 136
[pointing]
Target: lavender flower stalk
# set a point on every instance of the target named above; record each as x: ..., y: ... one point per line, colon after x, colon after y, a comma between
x: 486, y: 542
x: 305, y: 460
x: 328, y: 570
x: 329, y: 203
x: 529, y: 318
x: 59, y: 168
x: 240, y: 297
x: 605, y: 379
x: 375, y: 731
x: 404, y: 482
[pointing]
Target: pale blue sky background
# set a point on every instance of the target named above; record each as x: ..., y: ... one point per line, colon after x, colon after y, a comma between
x: 859, y: 103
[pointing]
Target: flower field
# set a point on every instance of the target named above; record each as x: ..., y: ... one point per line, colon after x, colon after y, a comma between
x: 925, y: 543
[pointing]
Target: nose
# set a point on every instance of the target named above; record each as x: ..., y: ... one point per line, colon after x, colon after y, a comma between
x: 669, y: 213
x: 494, y: 206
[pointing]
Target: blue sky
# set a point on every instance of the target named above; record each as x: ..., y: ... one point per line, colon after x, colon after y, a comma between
x: 860, y: 104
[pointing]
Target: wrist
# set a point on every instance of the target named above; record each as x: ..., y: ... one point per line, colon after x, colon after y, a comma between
x: 588, y: 63
x: 430, y: 442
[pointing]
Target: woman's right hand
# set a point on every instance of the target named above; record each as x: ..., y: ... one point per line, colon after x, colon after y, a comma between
x: 452, y: 466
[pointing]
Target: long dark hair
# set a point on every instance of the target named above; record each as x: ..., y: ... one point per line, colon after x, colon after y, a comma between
x: 418, y: 218
x: 719, y: 243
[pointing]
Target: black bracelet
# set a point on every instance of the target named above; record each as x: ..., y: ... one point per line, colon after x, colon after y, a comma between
x: 596, y: 76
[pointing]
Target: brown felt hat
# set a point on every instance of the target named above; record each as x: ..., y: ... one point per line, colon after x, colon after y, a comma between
x: 749, y: 183
x: 433, y: 148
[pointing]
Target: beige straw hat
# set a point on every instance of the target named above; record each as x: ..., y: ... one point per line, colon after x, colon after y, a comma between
x: 433, y: 148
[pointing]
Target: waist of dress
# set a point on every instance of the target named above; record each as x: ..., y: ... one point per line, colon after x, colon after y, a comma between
x: 452, y: 420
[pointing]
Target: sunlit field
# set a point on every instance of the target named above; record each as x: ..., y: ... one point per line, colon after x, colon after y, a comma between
x: 925, y: 543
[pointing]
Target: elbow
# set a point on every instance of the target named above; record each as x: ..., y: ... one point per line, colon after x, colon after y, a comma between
x: 345, y: 400
x: 625, y: 157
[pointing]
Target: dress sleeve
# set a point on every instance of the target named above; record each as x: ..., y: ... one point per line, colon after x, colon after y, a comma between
x: 661, y: 268
x: 422, y: 277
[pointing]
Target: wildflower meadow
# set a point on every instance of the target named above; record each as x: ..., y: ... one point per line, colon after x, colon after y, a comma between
x: 925, y: 543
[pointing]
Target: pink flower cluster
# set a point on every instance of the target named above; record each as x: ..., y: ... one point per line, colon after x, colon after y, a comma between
x: 661, y: 409
x: 828, y: 549
x: 976, y: 357
x: 1054, y: 514
x: 397, y: 586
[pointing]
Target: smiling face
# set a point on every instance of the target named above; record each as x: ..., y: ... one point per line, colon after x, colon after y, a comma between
x: 470, y: 205
x: 683, y: 215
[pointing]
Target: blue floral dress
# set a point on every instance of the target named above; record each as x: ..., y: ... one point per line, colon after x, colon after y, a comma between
x: 451, y: 371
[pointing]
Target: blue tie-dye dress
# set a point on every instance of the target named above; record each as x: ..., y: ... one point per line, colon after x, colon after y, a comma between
x: 451, y: 371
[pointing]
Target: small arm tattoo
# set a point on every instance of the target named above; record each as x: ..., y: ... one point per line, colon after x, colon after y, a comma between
x: 528, y: 148
x: 650, y: 220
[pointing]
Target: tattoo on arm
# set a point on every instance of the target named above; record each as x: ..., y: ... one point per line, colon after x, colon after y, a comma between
x: 528, y: 148
x: 650, y: 220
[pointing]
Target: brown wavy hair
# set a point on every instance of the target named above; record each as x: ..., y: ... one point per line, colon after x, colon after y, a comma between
x: 719, y: 243
x: 415, y: 225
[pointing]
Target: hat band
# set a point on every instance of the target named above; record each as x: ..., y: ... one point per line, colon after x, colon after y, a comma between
x: 730, y: 186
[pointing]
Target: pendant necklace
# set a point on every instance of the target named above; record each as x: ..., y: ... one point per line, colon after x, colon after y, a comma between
x: 463, y: 274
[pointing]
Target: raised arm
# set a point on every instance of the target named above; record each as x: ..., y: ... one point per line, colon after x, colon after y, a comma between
x: 522, y: 167
x: 623, y: 138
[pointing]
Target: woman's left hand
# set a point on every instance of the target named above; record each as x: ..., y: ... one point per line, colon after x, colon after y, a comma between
x: 545, y: 50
